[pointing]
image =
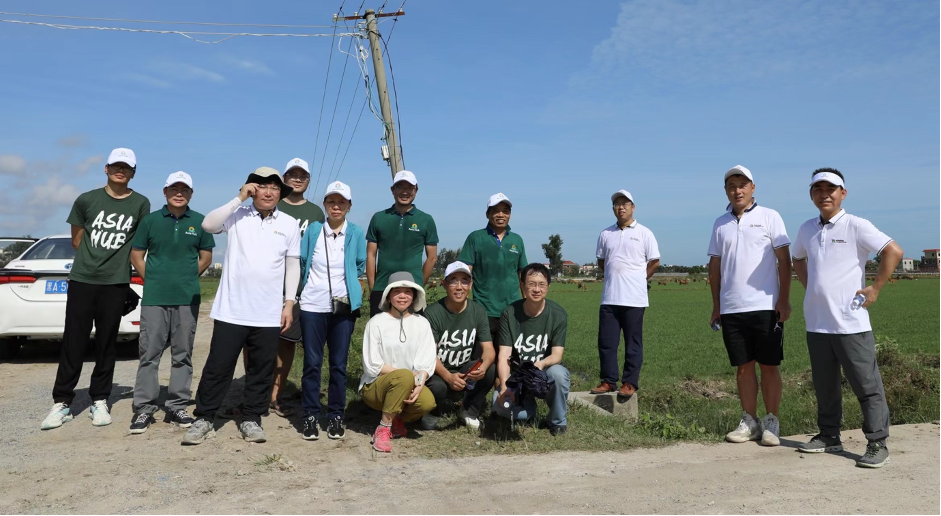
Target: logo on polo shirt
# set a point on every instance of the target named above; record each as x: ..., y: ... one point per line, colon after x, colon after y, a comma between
x: 276, y: 232
x: 837, y: 241
x: 755, y: 226
x: 635, y: 239
x: 191, y: 231
x: 414, y: 227
x: 513, y: 249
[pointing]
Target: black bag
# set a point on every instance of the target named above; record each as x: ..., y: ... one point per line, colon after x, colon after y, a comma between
x: 338, y: 305
x: 528, y: 380
x: 131, y: 301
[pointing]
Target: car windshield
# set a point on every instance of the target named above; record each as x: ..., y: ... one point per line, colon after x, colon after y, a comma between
x: 51, y: 249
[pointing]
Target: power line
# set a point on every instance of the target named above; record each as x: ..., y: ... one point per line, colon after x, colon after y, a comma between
x: 168, y: 22
x: 361, y: 110
x: 185, y: 34
x: 323, y: 98
x: 346, y: 62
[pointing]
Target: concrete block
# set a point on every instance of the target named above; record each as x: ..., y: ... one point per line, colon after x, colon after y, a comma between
x: 606, y: 403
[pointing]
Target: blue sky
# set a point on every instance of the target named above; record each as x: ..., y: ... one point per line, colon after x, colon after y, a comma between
x: 554, y: 106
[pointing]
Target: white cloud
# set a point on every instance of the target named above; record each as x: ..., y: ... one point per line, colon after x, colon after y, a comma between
x: 12, y: 165
x: 145, y: 79
x: 248, y: 65
x: 186, y: 72
x: 83, y: 166
x: 72, y: 141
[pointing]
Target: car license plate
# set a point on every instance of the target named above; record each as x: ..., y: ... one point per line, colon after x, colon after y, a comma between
x: 57, y: 286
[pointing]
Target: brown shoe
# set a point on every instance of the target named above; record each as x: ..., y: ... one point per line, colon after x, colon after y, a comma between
x: 603, y: 388
x: 626, y: 391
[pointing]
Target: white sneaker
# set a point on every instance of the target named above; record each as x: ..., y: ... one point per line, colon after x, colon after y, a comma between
x: 749, y: 429
x: 771, y: 429
x: 59, y: 414
x: 470, y: 422
x: 99, y: 413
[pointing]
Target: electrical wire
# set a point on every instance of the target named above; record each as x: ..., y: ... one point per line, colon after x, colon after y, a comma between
x: 186, y: 34
x: 323, y: 157
x: 168, y: 22
x: 361, y: 110
x: 323, y: 98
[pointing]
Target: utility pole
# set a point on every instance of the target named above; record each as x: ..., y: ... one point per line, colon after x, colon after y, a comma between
x: 391, y: 152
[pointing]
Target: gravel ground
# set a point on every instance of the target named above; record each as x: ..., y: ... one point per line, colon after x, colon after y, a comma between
x: 82, y: 469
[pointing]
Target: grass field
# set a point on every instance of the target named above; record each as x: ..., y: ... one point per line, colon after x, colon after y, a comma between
x: 687, y: 386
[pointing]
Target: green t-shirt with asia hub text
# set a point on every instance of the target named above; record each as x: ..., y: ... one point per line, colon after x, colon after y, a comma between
x: 532, y: 337
x: 458, y: 335
x: 304, y: 213
x: 103, y: 255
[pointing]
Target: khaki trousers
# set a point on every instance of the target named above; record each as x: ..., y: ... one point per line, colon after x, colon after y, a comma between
x: 389, y: 392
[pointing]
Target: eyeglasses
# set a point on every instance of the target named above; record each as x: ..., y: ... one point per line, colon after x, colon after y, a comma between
x: 269, y: 188
x: 178, y: 189
x: 622, y: 204
x: 459, y: 281
x: 536, y: 286
x: 120, y: 168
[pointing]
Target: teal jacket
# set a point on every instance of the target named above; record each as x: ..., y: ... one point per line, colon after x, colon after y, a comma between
x: 354, y: 259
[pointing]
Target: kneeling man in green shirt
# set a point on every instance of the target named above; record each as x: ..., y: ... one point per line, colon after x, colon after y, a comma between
x: 533, y: 329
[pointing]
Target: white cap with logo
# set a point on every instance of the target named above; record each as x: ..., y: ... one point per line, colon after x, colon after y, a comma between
x: 457, y: 266
x: 179, y: 177
x: 338, y: 187
x: 619, y: 193
x: 829, y: 177
x: 739, y: 170
x: 405, y: 175
x: 297, y: 163
x: 122, y: 155
x: 497, y: 198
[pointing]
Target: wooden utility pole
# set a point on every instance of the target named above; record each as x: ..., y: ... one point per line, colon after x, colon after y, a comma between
x: 379, y: 72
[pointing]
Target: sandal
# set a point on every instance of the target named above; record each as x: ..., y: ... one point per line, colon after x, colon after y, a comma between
x: 281, y: 410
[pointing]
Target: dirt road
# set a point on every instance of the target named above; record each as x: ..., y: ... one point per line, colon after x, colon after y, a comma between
x: 80, y: 468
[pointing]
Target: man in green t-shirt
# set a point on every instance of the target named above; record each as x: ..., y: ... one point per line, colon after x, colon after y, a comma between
x: 178, y: 250
x: 533, y: 329
x: 461, y: 329
x: 496, y: 256
x: 104, y: 222
x: 396, y: 238
x: 296, y: 175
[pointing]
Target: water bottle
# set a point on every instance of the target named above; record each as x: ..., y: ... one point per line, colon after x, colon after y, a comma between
x: 857, y: 302
x: 716, y: 325
x: 507, y: 402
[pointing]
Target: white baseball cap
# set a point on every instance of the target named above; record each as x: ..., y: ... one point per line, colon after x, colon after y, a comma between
x: 339, y: 187
x: 739, y: 170
x: 457, y: 266
x: 299, y: 163
x: 405, y: 175
x: 179, y: 177
x: 619, y: 193
x: 829, y: 177
x: 122, y: 155
x: 497, y: 198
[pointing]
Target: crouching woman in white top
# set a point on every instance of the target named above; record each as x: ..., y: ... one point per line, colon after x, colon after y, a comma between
x: 398, y: 358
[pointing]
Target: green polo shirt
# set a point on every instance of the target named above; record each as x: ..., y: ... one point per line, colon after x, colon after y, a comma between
x: 304, y: 213
x: 172, y: 245
x: 401, y: 241
x: 496, y: 265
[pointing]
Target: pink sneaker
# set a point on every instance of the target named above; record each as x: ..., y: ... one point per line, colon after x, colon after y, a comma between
x: 398, y: 427
x: 382, y: 439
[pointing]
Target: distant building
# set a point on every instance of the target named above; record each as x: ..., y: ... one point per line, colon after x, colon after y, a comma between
x: 589, y: 269
x: 217, y: 266
x: 929, y: 262
x: 906, y: 265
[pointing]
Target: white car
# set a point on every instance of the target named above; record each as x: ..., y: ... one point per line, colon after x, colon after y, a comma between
x: 33, y: 290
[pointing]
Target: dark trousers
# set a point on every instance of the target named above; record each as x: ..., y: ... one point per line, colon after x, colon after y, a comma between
x: 374, y: 298
x: 612, y: 320
x: 336, y: 331
x: 473, y: 400
x: 85, y: 304
x: 856, y: 353
x: 224, y: 349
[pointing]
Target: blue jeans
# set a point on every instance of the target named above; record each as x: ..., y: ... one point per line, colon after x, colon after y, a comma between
x: 335, y: 330
x: 556, y: 399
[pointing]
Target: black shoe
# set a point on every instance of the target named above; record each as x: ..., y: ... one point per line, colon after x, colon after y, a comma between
x: 140, y: 422
x: 311, y: 430
x: 182, y: 419
x: 335, y: 428
x: 557, y: 430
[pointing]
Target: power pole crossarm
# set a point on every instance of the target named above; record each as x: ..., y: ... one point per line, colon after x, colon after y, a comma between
x: 379, y: 71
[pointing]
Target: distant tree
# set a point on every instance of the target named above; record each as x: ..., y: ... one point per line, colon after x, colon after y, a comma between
x: 553, y: 251
x: 11, y: 251
x: 445, y: 258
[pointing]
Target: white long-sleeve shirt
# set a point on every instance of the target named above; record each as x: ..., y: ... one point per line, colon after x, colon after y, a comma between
x: 382, y: 344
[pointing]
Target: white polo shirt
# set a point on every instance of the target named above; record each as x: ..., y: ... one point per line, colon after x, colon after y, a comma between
x: 748, y: 266
x: 316, y: 294
x: 251, y: 291
x: 625, y: 253
x: 836, y: 254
